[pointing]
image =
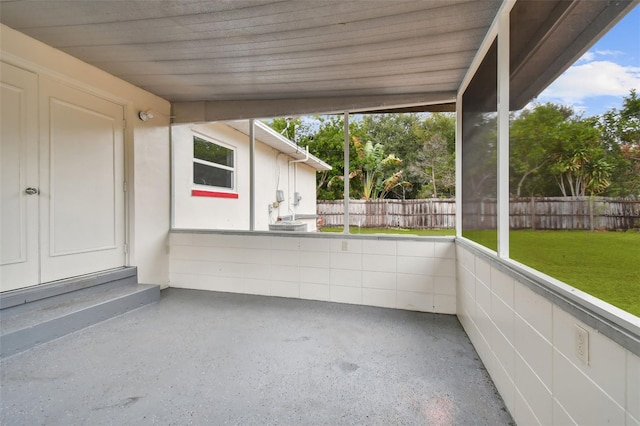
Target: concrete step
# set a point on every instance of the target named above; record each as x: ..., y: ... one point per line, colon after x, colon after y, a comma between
x: 25, y: 325
x: 89, y: 283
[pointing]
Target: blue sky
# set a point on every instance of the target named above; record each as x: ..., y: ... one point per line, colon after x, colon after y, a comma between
x: 600, y: 79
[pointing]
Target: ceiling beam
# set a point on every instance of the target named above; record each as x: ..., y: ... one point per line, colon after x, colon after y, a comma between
x: 206, y: 111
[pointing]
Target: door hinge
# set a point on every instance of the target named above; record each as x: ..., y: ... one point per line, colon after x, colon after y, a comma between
x: 126, y: 248
x: 124, y: 124
x: 124, y: 186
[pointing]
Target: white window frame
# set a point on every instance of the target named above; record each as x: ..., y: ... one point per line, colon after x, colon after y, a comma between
x: 233, y: 169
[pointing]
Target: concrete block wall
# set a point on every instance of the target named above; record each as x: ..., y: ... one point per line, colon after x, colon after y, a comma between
x: 527, y: 343
x: 526, y: 340
x: 415, y: 274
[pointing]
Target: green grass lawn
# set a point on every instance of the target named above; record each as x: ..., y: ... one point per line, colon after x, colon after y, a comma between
x: 603, y: 264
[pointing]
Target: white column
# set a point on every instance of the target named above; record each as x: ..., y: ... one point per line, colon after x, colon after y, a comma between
x: 346, y: 173
x: 252, y: 175
x: 503, y: 135
x: 459, y: 164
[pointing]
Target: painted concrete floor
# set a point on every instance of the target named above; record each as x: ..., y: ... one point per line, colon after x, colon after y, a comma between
x: 206, y: 358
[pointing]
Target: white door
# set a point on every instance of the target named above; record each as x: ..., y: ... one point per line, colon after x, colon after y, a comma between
x: 62, y: 187
x: 19, y: 262
x: 81, y: 182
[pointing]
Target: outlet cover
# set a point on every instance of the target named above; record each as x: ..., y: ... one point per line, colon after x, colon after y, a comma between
x: 582, y: 345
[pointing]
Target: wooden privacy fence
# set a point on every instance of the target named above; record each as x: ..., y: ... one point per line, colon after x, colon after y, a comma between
x: 574, y: 213
x: 525, y: 213
x: 413, y: 214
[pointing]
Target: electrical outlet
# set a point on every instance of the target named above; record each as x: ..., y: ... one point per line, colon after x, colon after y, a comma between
x: 345, y: 246
x: 582, y: 345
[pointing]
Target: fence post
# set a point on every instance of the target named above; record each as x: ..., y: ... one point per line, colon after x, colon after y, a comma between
x: 533, y: 213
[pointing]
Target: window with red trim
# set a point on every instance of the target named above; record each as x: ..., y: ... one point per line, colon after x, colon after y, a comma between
x: 213, y: 165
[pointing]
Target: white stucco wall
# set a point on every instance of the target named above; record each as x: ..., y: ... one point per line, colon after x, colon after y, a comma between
x: 147, y: 154
x: 272, y: 172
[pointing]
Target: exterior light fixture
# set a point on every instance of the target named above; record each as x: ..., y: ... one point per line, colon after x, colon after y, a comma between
x: 145, y: 115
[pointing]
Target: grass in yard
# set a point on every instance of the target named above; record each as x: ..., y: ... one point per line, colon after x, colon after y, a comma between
x: 487, y: 237
x: 429, y: 232
x: 603, y: 264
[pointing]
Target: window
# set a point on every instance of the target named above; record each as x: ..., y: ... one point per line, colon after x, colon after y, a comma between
x: 213, y: 164
x: 479, y: 153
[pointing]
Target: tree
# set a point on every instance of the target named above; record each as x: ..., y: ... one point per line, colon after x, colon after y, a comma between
x: 579, y: 162
x: 397, y: 134
x: 534, y: 134
x: 621, y: 135
x: 435, y: 161
x: 413, y: 155
x: 371, y: 168
x: 289, y: 127
x: 326, y: 141
x: 550, y: 143
x: 374, y: 166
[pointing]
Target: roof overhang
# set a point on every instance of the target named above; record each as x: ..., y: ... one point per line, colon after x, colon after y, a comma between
x: 204, y: 111
x: 270, y: 137
x: 551, y: 36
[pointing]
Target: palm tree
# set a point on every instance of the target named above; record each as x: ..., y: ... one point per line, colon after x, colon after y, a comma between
x: 371, y: 167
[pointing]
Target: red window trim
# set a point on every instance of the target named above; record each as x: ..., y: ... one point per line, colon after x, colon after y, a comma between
x: 200, y: 193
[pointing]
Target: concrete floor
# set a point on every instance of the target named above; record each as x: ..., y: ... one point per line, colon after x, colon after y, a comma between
x: 209, y: 358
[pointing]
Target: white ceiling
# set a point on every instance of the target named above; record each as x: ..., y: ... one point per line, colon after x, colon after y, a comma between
x: 229, y: 59
x: 266, y: 49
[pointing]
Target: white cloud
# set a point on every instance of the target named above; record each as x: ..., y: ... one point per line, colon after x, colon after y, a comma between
x: 609, y: 52
x: 591, y: 55
x: 587, y: 57
x: 592, y: 79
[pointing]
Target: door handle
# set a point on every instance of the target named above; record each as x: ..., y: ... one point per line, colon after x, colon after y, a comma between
x: 32, y: 191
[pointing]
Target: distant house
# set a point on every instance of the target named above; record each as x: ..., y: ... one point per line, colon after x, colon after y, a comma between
x: 211, y: 178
